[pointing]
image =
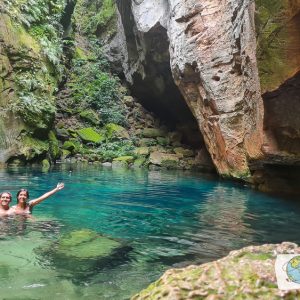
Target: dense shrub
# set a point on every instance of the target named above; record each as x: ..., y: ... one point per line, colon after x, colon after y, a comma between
x: 93, y: 88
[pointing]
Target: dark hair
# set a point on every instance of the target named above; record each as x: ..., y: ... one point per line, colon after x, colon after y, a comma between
x: 22, y: 190
x: 10, y: 196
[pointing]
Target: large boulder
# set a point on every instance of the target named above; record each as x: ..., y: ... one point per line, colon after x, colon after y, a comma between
x: 248, y: 273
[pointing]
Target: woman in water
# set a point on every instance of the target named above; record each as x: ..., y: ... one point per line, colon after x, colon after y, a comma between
x: 5, y: 199
x: 24, y: 207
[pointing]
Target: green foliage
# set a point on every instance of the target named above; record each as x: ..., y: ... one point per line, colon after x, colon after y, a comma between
x: 34, y: 103
x: 93, y: 88
x: 29, y: 12
x: 34, y: 110
x: 42, y: 20
x: 54, y: 150
x: 33, y: 148
x: 116, y: 149
x: 94, y: 16
x: 48, y: 38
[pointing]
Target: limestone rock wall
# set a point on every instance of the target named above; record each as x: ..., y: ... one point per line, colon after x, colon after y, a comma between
x: 212, y: 50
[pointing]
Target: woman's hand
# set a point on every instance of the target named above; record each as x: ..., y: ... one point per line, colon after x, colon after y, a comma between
x: 60, y: 186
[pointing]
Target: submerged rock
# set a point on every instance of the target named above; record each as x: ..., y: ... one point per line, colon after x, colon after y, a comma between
x: 84, y: 244
x: 79, y: 253
x: 248, y: 273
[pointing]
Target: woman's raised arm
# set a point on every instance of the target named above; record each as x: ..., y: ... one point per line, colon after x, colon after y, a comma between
x: 38, y: 200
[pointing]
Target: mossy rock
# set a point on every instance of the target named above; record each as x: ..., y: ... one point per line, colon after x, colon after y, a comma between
x: 45, y: 165
x: 170, y: 164
x: 127, y: 159
x: 90, y: 116
x: 72, y: 145
x: 62, y: 133
x: 162, y: 141
x: 153, y: 133
x: 33, y: 148
x: 54, y: 149
x: 184, y: 152
x: 89, y: 135
x: 277, y: 31
x: 116, y: 131
x: 147, y: 142
x: 248, y: 273
x: 144, y: 151
x: 163, y: 159
x: 139, y: 162
x: 65, y: 153
x: 84, y: 244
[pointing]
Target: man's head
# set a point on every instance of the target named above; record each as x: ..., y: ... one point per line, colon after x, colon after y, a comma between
x: 5, y: 199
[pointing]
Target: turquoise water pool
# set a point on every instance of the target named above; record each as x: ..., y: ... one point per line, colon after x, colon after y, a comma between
x: 162, y: 219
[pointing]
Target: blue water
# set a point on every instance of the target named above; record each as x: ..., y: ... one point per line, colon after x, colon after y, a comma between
x: 164, y: 220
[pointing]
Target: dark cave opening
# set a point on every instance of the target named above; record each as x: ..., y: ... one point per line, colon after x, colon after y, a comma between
x: 153, y: 84
x: 281, y: 120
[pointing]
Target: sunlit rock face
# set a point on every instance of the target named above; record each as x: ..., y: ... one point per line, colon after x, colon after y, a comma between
x: 211, y: 52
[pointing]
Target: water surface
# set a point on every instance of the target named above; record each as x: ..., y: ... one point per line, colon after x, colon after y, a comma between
x: 163, y: 219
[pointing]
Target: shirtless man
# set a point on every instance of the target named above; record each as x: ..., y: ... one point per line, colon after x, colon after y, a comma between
x: 5, y: 199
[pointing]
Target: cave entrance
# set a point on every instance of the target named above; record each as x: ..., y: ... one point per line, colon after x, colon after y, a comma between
x: 157, y: 92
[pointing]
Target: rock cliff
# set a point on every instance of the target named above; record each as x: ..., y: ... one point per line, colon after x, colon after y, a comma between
x: 235, y: 65
x: 211, y: 52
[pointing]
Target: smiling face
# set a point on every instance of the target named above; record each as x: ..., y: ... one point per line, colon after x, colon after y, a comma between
x: 22, y: 196
x: 5, y: 199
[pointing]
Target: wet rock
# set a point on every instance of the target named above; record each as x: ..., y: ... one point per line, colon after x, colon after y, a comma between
x: 184, y: 152
x: 139, y: 162
x: 142, y: 151
x: 163, y: 159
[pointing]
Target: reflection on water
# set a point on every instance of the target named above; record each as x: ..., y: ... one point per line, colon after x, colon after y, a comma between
x: 160, y: 219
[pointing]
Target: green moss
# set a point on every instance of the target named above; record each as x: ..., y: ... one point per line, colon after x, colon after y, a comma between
x: 80, y: 54
x: 90, y: 116
x: 277, y: 37
x: 90, y: 135
x: 65, y: 153
x: 33, y: 148
x: 115, y: 131
x: 139, y: 162
x: 53, y: 146
x: 45, y: 164
x: 128, y: 159
x: 258, y: 256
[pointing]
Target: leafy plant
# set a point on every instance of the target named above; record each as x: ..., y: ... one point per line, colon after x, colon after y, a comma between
x: 93, y: 88
x: 111, y: 150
